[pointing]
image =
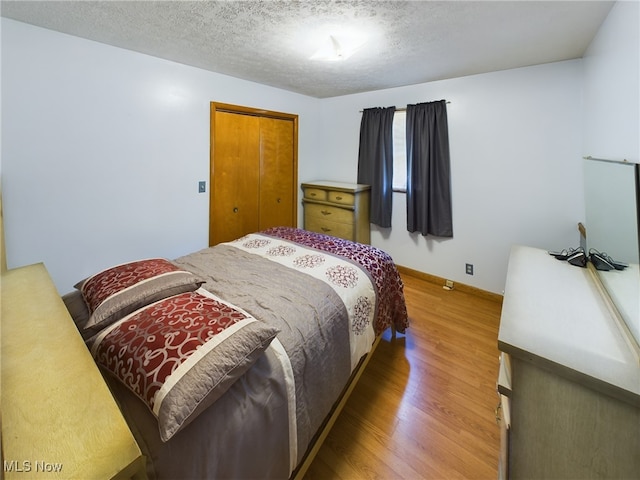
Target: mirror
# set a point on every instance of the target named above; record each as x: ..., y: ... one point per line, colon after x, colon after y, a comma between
x: 612, y: 197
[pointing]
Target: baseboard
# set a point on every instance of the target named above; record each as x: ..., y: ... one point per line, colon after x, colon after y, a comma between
x: 458, y: 286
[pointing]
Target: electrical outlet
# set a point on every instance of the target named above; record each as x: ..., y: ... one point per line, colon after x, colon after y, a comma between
x: 469, y: 268
x: 202, y: 187
x: 448, y: 285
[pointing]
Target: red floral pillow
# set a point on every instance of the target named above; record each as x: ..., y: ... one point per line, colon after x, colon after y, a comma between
x: 180, y: 354
x: 117, y: 291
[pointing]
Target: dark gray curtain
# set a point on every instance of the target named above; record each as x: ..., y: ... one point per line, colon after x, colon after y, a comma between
x: 428, y: 170
x: 375, y: 161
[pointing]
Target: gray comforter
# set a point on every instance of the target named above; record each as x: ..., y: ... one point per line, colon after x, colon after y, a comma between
x: 246, y: 433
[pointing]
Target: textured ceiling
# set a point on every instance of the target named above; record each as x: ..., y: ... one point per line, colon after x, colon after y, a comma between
x: 271, y: 42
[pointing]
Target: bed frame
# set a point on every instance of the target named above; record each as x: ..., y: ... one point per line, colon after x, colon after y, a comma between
x: 320, y: 437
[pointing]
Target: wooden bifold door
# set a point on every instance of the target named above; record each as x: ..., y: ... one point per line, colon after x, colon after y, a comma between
x: 254, y: 171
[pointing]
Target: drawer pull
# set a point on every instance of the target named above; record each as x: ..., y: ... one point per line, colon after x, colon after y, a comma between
x: 338, y: 198
x: 312, y: 194
x: 325, y: 212
x: 325, y: 229
x: 235, y: 209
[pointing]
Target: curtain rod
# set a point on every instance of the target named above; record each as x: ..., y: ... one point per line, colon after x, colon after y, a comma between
x: 403, y: 109
x: 624, y: 160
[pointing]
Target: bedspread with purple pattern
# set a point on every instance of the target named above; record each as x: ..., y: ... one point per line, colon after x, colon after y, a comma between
x: 392, y: 310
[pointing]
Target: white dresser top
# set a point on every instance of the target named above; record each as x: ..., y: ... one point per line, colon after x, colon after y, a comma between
x: 554, y: 315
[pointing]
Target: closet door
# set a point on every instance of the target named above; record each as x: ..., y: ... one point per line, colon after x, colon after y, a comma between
x: 277, y: 179
x: 254, y: 171
x: 235, y: 176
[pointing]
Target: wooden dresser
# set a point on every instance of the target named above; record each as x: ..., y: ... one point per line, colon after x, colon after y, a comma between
x: 569, y: 380
x: 59, y: 419
x: 338, y: 209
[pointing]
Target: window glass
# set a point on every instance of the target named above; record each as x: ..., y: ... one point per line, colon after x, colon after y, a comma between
x: 399, y: 151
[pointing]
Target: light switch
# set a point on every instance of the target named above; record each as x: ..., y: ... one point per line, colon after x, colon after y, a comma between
x: 202, y: 187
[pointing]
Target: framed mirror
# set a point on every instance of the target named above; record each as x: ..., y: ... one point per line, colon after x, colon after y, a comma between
x: 612, y: 202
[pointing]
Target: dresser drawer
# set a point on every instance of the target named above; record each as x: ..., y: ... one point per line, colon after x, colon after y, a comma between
x: 315, y: 193
x: 344, y: 198
x: 504, y: 374
x: 322, y: 225
x: 335, y: 214
x: 503, y: 417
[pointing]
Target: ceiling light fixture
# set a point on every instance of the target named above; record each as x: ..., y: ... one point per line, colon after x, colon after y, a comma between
x: 338, y: 47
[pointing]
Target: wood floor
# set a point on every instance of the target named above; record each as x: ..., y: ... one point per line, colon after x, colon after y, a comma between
x: 425, y: 405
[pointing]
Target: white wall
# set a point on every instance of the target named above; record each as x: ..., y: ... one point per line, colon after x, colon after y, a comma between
x: 515, y: 141
x: 612, y: 87
x: 103, y: 148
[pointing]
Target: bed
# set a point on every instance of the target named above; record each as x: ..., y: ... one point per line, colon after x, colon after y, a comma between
x: 234, y: 358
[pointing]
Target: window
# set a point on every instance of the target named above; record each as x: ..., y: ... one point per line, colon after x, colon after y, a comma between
x: 400, y: 151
